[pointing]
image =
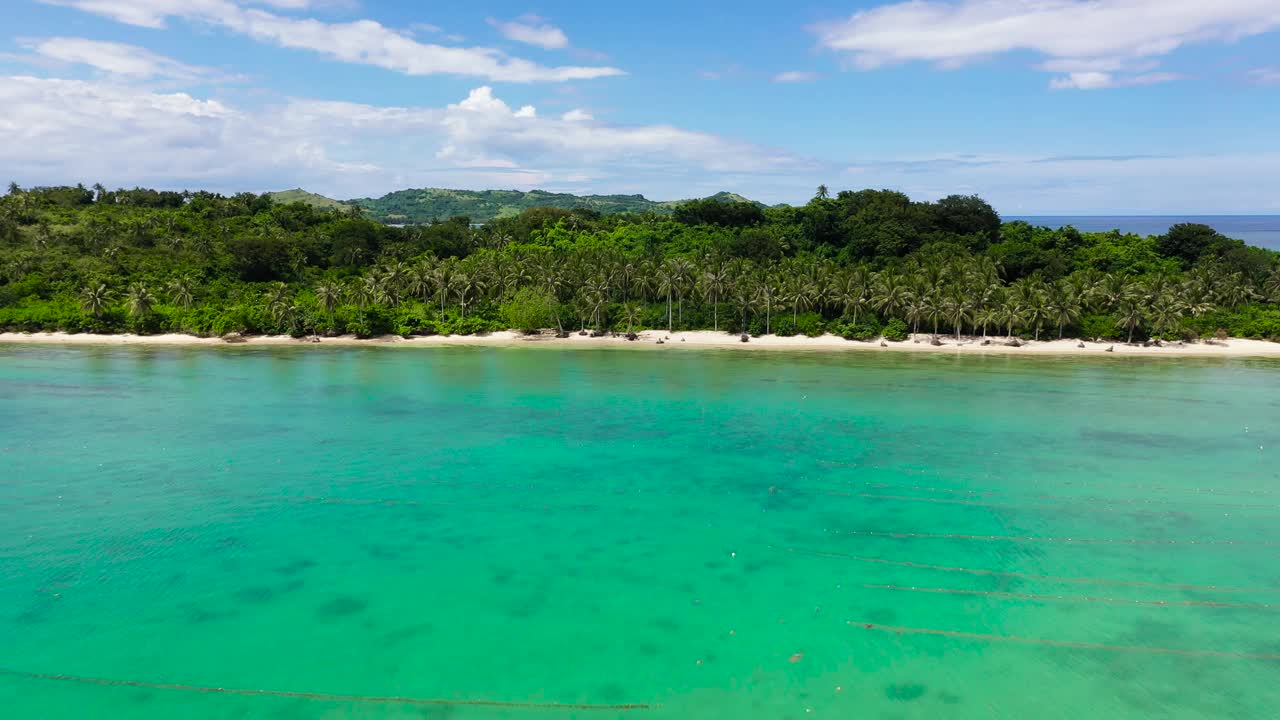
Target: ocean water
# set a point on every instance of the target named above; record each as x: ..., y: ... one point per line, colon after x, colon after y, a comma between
x: 1260, y: 230
x: 697, y: 532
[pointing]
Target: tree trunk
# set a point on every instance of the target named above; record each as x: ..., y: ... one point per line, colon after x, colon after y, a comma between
x: 668, y: 311
x: 715, y: 314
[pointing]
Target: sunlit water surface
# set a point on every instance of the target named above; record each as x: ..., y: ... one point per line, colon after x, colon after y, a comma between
x: 681, y: 529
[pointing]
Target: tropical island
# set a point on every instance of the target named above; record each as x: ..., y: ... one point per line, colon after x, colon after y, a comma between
x: 871, y: 266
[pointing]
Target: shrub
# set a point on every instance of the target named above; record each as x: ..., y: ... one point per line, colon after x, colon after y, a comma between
x: 531, y: 309
x: 1100, y: 326
x: 896, y: 330
x: 810, y: 324
x: 866, y: 329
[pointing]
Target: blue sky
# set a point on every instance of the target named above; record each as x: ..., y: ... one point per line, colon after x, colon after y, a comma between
x: 1040, y: 106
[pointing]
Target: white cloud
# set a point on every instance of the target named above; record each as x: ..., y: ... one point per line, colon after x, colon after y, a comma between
x: 531, y: 30
x: 66, y: 131
x: 1093, y: 80
x: 577, y: 115
x: 1084, y: 38
x: 795, y: 76
x: 1264, y: 75
x: 363, y: 41
x: 115, y: 58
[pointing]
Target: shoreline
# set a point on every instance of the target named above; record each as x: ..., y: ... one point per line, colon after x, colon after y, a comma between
x: 1234, y: 347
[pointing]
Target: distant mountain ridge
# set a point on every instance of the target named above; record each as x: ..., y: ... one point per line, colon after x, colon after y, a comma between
x: 426, y: 204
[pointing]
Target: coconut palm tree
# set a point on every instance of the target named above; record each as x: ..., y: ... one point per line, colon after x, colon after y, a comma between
x: 1131, y: 314
x: 957, y: 311
x: 442, y: 278
x: 419, y: 281
x: 95, y: 299
x: 329, y: 296
x: 466, y: 285
x: 631, y: 313
x: 1165, y: 313
x: 891, y: 294
x: 714, y: 279
x: 668, y: 278
x: 278, y: 301
x: 1062, y: 305
x: 765, y: 295
x: 139, y: 300
x: 181, y: 291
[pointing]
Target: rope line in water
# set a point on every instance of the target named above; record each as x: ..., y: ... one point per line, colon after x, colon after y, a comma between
x: 1028, y: 538
x: 1069, y: 598
x: 1086, y: 499
x: 424, y: 503
x: 1102, y: 504
x: 1075, y: 483
x: 1067, y: 643
x: 330, y: 697
x: 1024, y: 576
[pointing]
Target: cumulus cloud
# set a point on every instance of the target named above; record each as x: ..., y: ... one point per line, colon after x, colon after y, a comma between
x: 116, y: 58
x: 795, y: 76
x: 69, y: 130
x: 1083, y: 38
x: 364, y: 42
x: 532, y: 30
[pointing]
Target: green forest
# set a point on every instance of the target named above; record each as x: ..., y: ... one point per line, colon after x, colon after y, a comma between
x: 427, y: 205
x: 861, y: 264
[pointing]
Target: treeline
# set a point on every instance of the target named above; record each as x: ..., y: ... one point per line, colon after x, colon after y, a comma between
x: 860, y: 264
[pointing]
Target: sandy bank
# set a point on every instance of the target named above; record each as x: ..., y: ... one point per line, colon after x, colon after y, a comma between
x: 696, y: 339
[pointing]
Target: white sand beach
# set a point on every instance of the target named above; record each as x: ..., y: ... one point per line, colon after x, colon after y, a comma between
x: 658, y: 339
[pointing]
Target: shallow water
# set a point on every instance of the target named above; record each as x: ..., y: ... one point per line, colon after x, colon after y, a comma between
x: 684, y: 529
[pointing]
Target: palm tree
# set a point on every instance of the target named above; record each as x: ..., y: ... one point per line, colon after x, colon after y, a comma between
x: 683, y: 275
x: 329, y: 296
x: 139, y: 300
x: 891, y: 294
x: 853, y: 292
x: 713, y: 283
x: 985, y: 318
x: 420, y: 280
x: 631, y: 313
x: 181, y: 291
x: 467, y: 283
x: 1062, y: 306
x: 442, y: 278
x: 278, y: 301
x: 1130, y: 313
x: 957, y: 310
x: 765, y: 294
x: 95, y: 299
x: 1165, y: 313
x: 917, y: 309
x: 1010, y: 314
x: 668, y: 277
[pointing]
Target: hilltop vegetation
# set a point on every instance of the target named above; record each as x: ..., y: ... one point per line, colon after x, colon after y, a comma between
x: 481, y: 206
x: 860, y: 264
x: 320, y: 202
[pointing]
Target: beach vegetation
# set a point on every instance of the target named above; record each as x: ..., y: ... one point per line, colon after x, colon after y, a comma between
x: 859, y: 264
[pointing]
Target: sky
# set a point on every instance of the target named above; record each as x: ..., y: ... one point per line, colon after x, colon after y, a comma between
x: 1039, y: 106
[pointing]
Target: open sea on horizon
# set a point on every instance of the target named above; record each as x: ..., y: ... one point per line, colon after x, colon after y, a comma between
x: 697, y: 534
x: 1260, y: 230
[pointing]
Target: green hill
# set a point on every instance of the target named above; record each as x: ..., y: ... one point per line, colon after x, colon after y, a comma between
x: 427, y: 204
x: 285, y: 197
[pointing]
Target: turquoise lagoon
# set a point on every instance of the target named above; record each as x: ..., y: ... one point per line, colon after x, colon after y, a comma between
x: 708, y: 533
